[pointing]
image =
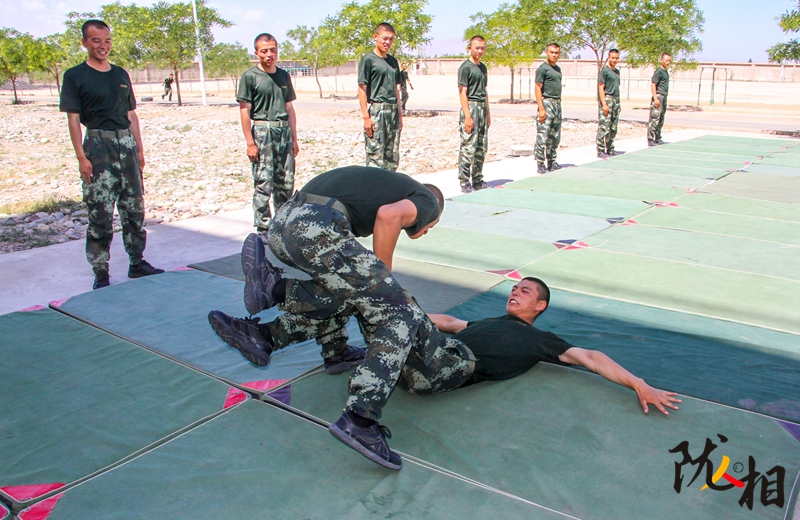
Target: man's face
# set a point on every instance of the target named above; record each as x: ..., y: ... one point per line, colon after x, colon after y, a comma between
x: 477, y: 49
x: 666, y: 60
x: 267, y: 53
x: 524, y: 301
x: 384, y: 40
x: 552, y: 54
x: 97, y: 43
x: 424, y: 231
x: 613, y: 59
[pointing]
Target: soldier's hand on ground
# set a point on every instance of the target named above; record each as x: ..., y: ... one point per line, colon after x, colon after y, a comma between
x: 369, y: 126
x: 85, y: 168
x: 295, y: 148
x: 469, y: 124
x: 252, y: 152
x: 658, y: 398
x: 605, y: 110
x: 542, y: 115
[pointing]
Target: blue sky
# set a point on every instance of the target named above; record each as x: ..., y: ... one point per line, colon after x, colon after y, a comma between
x: 735, y: 30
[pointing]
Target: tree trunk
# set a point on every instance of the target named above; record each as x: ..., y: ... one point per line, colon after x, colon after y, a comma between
x: 14, y: 86
x: 512, y: 84
x: 177, y: 85
x: 316, y: 76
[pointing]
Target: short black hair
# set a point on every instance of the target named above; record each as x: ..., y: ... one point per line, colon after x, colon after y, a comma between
x: 439, y: 197
x: 384, y: 26
x: 266, y: 37
x: 544, y: 290
x: 614, y: 50
x: 553, y: 44
x: 97, y: 24
x: 665, y: 54
x: 476, y: 37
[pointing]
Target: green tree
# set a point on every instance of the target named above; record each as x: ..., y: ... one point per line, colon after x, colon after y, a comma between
x: 355, y: 25
x: 790, y: 50
x: 516, y: 34
x: 48, y: 55
x: 127, y: 23
x: 316, y: 47
x: 227, y: 60
x: 15, y: 52
x: 168, y: 39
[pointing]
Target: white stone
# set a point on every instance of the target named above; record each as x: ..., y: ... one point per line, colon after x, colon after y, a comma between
x: 521, y: 150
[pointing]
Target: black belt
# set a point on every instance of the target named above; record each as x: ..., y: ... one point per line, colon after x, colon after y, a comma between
x: 109, y: 133
x: 302, y: 197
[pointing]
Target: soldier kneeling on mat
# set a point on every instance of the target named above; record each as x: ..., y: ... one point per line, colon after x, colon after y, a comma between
x: 316, y: 232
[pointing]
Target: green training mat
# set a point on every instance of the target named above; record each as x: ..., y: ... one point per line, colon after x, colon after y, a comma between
x: 473, y: 250
x: 791, y: 160
x: 707, y: 291
x: 770, y: 169
x: 77, y: 400
x: 260, y: 462
x: 734, y: 253
x: 669, y: 168
x: 596, y: 188
x: 737, y: 365
x: 436, y: 287
x: 573, y: 442
x: 651, y: 180
x: 597, y: 207
x: 168, y: 313
x: 683, y: 155
x: 757, y: 186
x: 778, y: 231
x: 742, y: 206
x: 745, y: 141
x: 685, y: 160
x: 714, y: 150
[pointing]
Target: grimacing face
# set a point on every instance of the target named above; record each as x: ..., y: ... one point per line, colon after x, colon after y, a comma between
x: 524, y: 300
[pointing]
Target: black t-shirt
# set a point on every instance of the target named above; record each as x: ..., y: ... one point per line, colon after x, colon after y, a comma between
x: 363, y: 190
x: 507, y: 346
x: 474, y: 76
x: 102, y: 99
x: 267, y: 93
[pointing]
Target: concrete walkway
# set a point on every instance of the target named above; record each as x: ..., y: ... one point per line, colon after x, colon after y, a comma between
x: 39, y: 276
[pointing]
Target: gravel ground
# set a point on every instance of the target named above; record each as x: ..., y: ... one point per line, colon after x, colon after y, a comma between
x: 196, y: 161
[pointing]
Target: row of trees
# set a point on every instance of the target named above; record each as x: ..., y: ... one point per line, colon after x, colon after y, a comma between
x: 789, y: 50
x: 517, y: 32
x: 162, y: 35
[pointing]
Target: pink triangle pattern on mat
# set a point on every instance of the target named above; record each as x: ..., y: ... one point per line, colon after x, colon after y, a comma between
x: 661, y: 204
x: 236, y: 396
x: 41, y: 510
x: 629, y: 222
x: 32, y: 308
x: 58, y: 303
x: 508, y: 273
x: 182, y: 268
x: 30, y: 491
x: 568, y: 245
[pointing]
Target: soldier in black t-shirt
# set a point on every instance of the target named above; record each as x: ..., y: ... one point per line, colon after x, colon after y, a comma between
x: 508, y: 346
x: 168, y: 87
x: 316, y: 232
x: 659, y: 88
x: 111, y: 158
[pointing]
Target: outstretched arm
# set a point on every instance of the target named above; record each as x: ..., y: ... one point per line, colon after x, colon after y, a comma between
x: 447, y: 323
x: 605, y: 366
x: 389, y: 222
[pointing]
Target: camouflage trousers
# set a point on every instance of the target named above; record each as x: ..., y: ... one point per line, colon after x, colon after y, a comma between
x: 116, y: 179
x: 656, y: 121
x: 607, y: 124
x: 473, y: 145
x: 273, y: 172
x: 548, y: 134
x: 349, y: 280
x: 403, y: 98
x: 383, y: 148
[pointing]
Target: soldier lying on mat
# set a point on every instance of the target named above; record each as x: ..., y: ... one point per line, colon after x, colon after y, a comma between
x: 493, y: 349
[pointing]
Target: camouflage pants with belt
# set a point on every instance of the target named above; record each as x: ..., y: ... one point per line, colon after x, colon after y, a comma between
x: 349, y: 280
x: 116, y: 179
x: 473, y: 145
x: 383, y: 148
x: 273, y: 172
x: 656, y: 121
x: 607, y: 124
x: 548, y: 134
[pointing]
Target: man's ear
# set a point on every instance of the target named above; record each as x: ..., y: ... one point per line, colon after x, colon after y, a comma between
x: 541, y: 305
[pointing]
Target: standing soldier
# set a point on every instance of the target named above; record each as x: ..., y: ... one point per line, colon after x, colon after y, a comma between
x: 403, y: 89
x: 270, y: 129
x: 475, y: 117
x: 168, y: 86
x: 111, y: 158
x: 378, y: 80
x: 659, y: 88
x: 548, y: 98
x: 608, y: 106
